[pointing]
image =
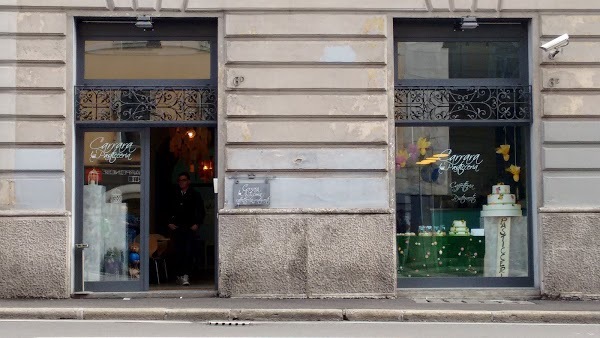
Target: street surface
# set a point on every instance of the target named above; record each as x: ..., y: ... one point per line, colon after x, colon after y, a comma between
x: 90, y: 328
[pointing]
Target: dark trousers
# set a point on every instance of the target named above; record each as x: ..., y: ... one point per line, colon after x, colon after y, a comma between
x: 183, y: 240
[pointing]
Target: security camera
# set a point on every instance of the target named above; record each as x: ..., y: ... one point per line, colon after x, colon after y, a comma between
x: 559, y: 42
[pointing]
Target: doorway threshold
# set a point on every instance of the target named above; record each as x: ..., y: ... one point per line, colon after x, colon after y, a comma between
x: 147, y: 294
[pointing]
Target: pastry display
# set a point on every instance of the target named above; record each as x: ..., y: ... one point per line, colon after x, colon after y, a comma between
x: 459, y: 228
x: 501, y: 203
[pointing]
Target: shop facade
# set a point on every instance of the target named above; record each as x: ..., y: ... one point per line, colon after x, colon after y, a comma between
x: 347, y: 152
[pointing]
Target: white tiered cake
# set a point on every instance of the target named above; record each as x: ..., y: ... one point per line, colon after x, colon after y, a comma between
x: 459, y: 228
x: 501, y: 203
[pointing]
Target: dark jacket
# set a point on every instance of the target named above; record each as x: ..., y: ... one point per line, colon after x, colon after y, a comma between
x: 187, y: 209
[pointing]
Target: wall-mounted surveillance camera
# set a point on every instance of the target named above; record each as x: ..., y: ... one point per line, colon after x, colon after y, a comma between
x: 555, y: 45
x: 559, y: 42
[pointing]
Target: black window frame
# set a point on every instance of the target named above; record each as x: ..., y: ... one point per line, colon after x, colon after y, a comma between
x: 443, y: 30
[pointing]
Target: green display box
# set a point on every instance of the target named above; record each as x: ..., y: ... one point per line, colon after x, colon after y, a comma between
x: 440, y: 256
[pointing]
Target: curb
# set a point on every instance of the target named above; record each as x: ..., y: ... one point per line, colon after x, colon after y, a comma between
x: 387, y: 315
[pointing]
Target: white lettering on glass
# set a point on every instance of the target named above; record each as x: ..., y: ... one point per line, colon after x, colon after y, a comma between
x: 110, y: 151
x: 462, y: 187
x: 460, y: 163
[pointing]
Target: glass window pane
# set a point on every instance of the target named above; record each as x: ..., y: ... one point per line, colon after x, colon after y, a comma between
x: 458, y: 60
x: 162, y: 60
x: 111, y: 206
x: 461, y: 202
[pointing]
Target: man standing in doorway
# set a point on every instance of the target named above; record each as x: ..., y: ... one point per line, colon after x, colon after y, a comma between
x: 186, y: 215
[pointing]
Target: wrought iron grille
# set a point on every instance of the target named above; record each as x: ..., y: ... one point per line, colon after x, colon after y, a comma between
x: 145, y: 104
x: 431, y: 103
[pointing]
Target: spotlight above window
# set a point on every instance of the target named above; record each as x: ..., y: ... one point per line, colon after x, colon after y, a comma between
x: 466, y: 23
x: 144, y: 22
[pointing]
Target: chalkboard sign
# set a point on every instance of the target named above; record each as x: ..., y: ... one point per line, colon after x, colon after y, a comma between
x: 251, y: 194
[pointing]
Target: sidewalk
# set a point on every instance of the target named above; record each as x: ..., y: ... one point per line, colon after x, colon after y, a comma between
x: 237, y: 309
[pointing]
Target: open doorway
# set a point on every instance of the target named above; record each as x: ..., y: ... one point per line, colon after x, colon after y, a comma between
x: 174, y: 151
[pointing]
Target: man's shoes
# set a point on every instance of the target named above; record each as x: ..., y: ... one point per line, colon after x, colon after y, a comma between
x: 185, y: 280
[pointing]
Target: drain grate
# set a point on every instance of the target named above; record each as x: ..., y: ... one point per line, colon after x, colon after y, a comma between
x: 228, y: 323
x: 470, y: 301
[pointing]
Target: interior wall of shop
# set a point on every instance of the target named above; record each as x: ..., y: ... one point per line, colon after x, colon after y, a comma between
x: 314, y: 113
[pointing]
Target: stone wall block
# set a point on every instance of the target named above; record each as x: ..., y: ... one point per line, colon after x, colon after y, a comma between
x: 306, y: 255
x: 487, y: 5
x: 124, y: 4
x: 571, y: 105
x: 569, y: 253
x: 262, y: 255
x: 200, y: 5
x: 571, y: 189
x: 369, y: 190
x: 23, y: 103
x: 571, y: 78
x: 571, y: 131
x: 352, y: 254
x: 40, y: 132
x: 7, y: 132
x: 306, y: 24
x: 309, y: 78
x: 34, y: 253
x: 33, y: 76
x: 306, y: 51
x: 34, y: 22
x: 572, y: 157
x: 266, y: 159
x: 40, y: 193
x: 305, y: 131
x: 463, y: 5
x: 307, y: 105
x: 41, y: 50
x: 72, y: 4
x: 558, y: 24
x: 32, y: 159
x: 440, y: 5
x: 147, y: 5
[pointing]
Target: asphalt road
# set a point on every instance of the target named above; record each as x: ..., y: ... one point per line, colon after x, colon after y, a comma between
x: 89, y: 328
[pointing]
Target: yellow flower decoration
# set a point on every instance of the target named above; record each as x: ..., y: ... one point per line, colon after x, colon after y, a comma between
x: 423, y: 144
x: 504, y: 150
x: 515, y: 171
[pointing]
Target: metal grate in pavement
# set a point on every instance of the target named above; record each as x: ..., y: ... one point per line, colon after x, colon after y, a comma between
x: 470, y: 301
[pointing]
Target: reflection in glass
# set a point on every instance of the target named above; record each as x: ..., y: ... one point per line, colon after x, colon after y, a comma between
x: 111, y: 205
x: 147, y: 60
x: 458, y: 60
x: 461, y: 202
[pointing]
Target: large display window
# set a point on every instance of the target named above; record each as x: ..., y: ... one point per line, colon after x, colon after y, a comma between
x: 461, y: 201
x: 462, y: 105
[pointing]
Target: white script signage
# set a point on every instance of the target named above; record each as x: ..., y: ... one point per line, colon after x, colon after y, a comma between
x: 253, y: 194
x: 110, y: 151
x: 459, y: 163
x: 459, y: 190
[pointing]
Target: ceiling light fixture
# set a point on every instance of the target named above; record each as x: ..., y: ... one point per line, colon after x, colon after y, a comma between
x: 144, y: 22
x: 466, y: 22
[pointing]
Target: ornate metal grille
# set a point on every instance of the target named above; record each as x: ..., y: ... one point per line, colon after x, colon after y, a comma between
x: 145, y: 104
x: 462, y: 103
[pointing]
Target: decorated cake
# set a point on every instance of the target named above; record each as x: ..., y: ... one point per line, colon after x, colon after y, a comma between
x: 501, y: 203
x: 459, y: 228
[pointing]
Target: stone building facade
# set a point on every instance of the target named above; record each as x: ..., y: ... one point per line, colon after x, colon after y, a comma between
x: 306, y: 97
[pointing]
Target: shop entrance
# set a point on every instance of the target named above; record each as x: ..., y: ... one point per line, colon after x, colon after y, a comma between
x: 130, y: 188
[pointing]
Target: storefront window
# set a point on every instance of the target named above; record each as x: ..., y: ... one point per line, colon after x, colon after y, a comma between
x: 458, y: 60
x: 461, y: 195
x: 153, y: 59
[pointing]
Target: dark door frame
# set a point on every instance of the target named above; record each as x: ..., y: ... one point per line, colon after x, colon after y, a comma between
x: 122, y: 29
